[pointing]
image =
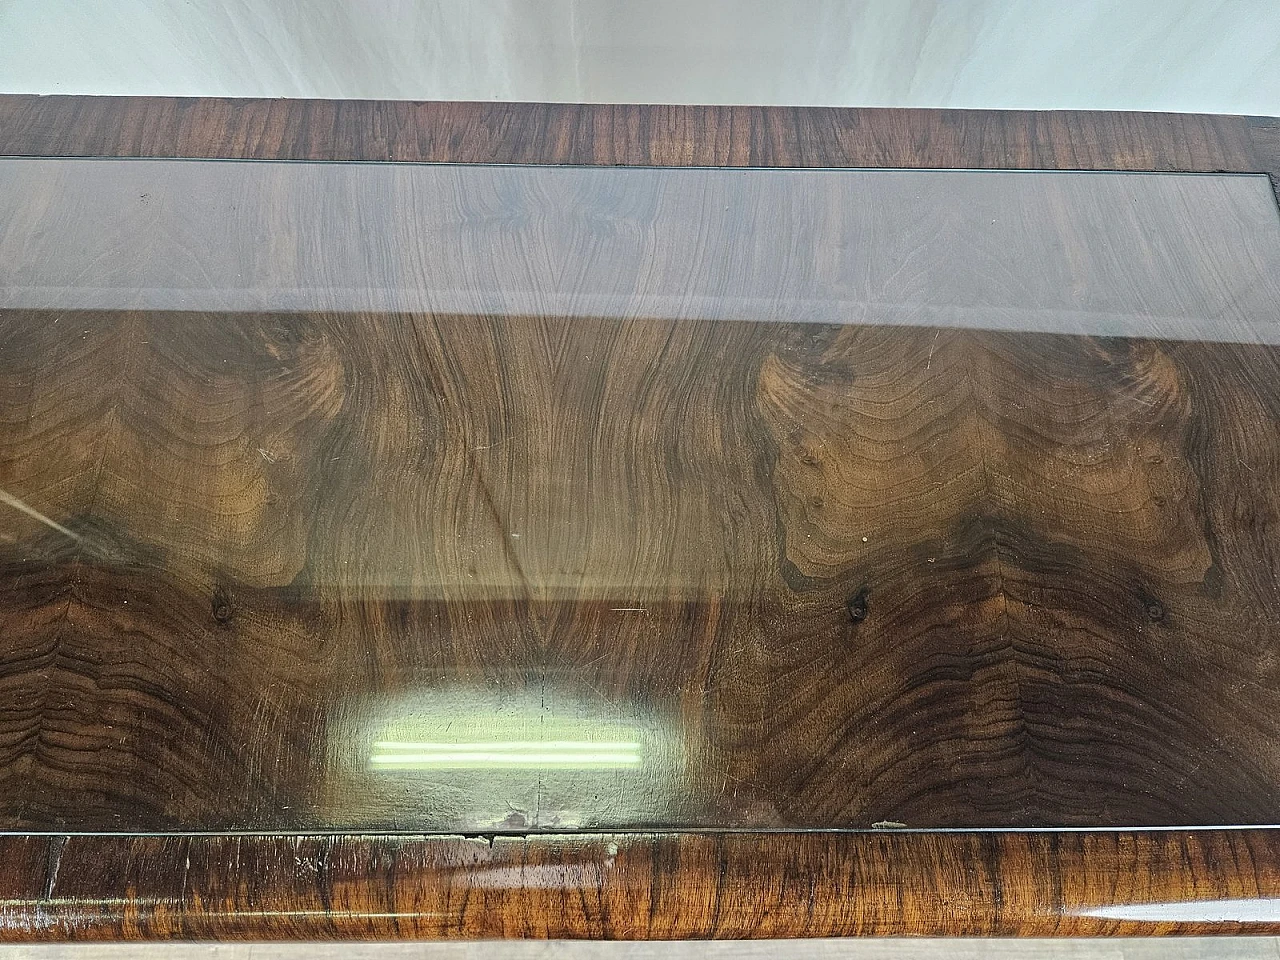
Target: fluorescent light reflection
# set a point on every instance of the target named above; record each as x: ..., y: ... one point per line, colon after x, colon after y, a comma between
x: 512, y: 756
x: 556, y: 754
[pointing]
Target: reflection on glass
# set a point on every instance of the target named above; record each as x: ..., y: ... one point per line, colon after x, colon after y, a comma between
x: 491, y: 758
x: 1056, y: 251
x: 560, y: 754
x: 502, y: 498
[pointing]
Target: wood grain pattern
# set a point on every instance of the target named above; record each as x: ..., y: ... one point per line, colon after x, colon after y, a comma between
x: 820, y: 575
x: 623, y: 134
x: 1171, y: 257
x: 660, y: 886
x: 800, y: 575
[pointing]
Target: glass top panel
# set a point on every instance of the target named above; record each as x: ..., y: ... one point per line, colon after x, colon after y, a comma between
x: 485, y: 498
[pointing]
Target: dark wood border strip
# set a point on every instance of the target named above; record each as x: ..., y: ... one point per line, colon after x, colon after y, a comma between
x: 628, y: 134
x: 641, y: 886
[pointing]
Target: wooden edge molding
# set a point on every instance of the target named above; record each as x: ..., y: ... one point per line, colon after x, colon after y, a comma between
x: 1265, y: 132
x: 625, y: 134
x: 638, y: 886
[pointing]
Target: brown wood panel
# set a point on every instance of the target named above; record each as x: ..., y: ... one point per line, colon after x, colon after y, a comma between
x: 1080, y: 637
x: 660, y: 886
x: 1022, y: 593
x: 1077, y: 628
x: 303, y: 570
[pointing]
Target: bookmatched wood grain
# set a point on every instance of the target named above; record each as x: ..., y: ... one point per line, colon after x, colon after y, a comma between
x: 1064, y: 615
x: 1032, y: 603
x: 814, y: 575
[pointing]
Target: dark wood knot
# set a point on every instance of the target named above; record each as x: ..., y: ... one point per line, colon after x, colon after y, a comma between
x: 857, y: 606
x: 222, y: 610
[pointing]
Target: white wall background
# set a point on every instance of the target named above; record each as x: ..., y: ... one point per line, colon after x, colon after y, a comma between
x: 1220, y: 56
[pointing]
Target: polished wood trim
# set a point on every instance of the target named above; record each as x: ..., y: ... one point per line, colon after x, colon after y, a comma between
x: 625, y: 134
x: 659, y: 886
x: 1265, y: 133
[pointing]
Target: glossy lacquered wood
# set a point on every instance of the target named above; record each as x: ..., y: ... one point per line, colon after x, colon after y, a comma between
x: 1173, y: 256
x: 660, y: 886
x: 664, y: 135
x: 962, y: 550
x: 817, y: 575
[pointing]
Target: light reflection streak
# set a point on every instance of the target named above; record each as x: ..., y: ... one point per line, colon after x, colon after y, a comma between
x: 22, y: 507
x: 1251, y: 910
x: 557, y: 754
